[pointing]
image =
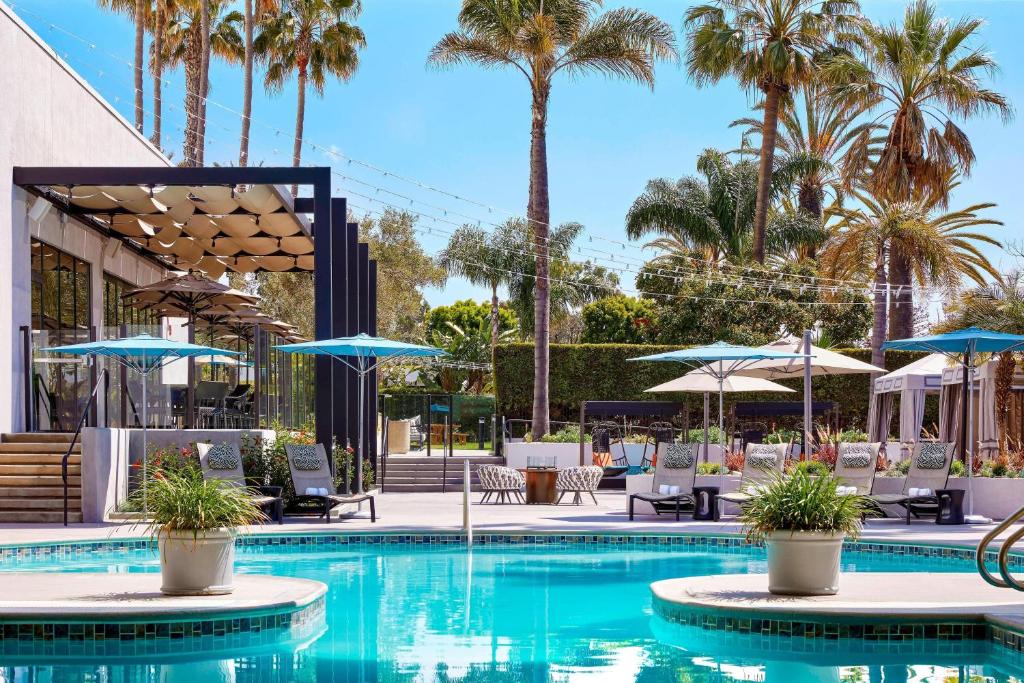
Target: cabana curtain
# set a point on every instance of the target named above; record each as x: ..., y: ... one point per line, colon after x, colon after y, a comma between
x: 911, y: 414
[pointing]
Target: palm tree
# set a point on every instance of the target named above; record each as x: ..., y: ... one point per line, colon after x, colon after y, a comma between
x: 158, y: 25
x: 713, y: 215
x: 767, y: 45
x: 183, y: 45
x: 253, y: 14
x: 940, y: 243
x: 486, y: 258
x: 921, y: 73
x: 540, y: 39
x: 139, y: 11
x: 313, y: 39
x: 817, y: 129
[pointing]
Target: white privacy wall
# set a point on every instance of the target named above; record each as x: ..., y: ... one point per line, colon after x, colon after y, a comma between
x: 49, y: 116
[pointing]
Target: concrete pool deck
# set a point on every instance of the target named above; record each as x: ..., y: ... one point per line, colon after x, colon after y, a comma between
x: 442, y: 512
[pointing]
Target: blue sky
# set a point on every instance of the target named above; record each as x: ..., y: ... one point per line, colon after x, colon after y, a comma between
x: 466, y: 130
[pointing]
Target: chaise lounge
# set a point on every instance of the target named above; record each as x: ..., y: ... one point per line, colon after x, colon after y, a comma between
x: 676, y: 467
x: 310, y: 472
x: 223, y: 461
x: 762, y: 462
x: 929, y: 469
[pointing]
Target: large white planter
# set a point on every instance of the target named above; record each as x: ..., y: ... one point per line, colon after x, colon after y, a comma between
x: 804, y: 562
x: 203, y: 565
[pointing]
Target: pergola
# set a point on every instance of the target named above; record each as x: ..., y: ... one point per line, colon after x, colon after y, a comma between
x: 230, y: 219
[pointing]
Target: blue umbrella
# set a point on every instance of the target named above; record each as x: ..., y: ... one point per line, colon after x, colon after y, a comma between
x: 143, y: 353
x: 963, y: 346
x: 364, y: 354
x: 712, y: 360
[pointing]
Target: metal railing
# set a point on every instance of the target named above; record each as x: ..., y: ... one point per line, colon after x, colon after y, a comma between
x: 1003, y: 556
x: 90, y: 404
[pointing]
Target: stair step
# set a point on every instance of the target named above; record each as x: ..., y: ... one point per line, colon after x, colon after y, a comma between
x: 482, y: 460
x: 422, y: 488
x: 74, y: 503
x: 23, y: 470
x: 39, y: 492
x: 38, y: 516
x: 37, y: 480
x: 414, y: 480
x: 36, y: 437
x: 22, y: 448
x: 38, y: 458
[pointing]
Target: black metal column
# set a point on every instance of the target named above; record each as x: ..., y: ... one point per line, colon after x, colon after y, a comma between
x: 340, y: 276
x: 371, y: 393
x: 352, y: 295
x: 322, y: 308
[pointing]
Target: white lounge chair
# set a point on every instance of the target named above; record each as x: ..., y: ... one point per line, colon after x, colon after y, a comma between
x: 223, y: 461
x: 676, y: 467
x: 762, y: 462
x: 310, y: 471
x: 856, y: 465
x: 929, y: 469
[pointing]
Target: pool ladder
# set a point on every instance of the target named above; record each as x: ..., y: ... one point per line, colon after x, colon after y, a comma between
x: 1007, y: 580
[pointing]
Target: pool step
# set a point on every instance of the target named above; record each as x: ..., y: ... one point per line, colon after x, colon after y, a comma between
x: 31, y: 487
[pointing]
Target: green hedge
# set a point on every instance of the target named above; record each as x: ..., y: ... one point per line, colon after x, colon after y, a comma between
x: 601, y: 372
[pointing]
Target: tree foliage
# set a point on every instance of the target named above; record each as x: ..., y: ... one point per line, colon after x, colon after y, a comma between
x: 467, y: 314
x: 619, y: 319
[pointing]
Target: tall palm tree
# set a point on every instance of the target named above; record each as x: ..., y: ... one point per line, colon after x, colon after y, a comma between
x: 486, y: 258
x: 183, y: 45
x: 255, y: 12
x: 920, y: 73
x: 942, y: 246
x: 770, y: 46
x: 139, y: 12
x: 312, y: 39
x: 540, y: 39
x: 162, y: 9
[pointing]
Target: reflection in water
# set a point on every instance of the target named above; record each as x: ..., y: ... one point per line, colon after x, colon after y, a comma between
x: 510, y: 614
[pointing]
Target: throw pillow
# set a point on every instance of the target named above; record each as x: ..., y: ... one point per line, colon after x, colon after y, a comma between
x: 932, y: 456
x: 763, y: 456
x: 306, y: 458
x: 679, y: 456
x: 222, y: 457
x: 856, y: 456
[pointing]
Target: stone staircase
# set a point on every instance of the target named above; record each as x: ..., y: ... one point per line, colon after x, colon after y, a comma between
x: 31, y: 488
x: 426, y: 474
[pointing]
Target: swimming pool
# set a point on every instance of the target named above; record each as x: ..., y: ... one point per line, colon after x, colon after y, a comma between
x: 559, y: 611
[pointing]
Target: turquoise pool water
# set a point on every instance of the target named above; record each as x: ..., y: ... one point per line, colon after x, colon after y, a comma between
x: 512, y: 613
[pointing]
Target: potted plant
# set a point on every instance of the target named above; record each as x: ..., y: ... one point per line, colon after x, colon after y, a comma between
x: 803, y: 520
x: 194, y: 521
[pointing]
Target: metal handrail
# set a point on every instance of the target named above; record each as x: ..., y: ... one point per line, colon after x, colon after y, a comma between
x: 74, y: 439
x: 1004, y: 553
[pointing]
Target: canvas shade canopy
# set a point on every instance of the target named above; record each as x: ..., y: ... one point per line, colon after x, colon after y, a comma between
x: 700, y: 382
x: 963, y: 346
x: 144, y: 354
x: 363, y: 354
x: 813, y: 361
x: 720, y: 360
x: 912, y: 382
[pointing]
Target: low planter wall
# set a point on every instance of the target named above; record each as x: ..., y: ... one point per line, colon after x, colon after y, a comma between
x: 568, y: 454
x: 994, y: 497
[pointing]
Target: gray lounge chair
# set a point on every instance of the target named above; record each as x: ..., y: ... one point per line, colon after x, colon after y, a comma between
x: 856, y: 465
x: 309, y: 468
x: 676, y: 466
x: 762, y: 463
x: 929, y: 469
x: 224, y: 461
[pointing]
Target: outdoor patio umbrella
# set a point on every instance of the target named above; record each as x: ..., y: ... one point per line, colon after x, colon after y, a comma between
x: 143, y: 354
x: 188, y: 296
x: 963, y: 346
x: 721, y: 361
x: 364, y: 354
x: 700, y: 382
x: 813, y: 361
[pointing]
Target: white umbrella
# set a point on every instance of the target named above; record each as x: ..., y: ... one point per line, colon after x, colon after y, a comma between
x: 701, y: 382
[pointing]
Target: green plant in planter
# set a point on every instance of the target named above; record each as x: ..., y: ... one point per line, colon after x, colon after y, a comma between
x: 799, y: 502
x: 814, y: 468
x: 711, y: 468
x: 957, y: 469
x: 185, y: 501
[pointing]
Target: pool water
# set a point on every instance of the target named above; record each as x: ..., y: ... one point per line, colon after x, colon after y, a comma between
x: 515, y: 613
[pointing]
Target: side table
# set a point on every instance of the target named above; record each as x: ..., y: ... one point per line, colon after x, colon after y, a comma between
x: 705, y: 506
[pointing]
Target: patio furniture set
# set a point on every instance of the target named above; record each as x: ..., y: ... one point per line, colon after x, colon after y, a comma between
x: 538, y: 485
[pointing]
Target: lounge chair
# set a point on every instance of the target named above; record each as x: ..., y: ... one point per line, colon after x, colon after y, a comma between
x: 505, y: 483
x: 929, y: 469
x: 578, y: 480
x: 676, y: 466
x: 310, y: 471
x: 856, y: 465
x: 224, y: 461
x: 762, y: 462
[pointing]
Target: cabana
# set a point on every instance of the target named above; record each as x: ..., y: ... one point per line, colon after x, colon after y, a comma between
x: 913, y: 383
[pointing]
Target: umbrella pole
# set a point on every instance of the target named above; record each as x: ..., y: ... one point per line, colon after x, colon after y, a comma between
x: 359, y: 429
x: 707, y: 420
x: 721, y: 409
x: 145, y: 470
x: 969, y: 428
x: 808, y: 407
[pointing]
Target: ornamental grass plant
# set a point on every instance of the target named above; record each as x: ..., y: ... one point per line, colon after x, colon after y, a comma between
x: 186, y: 501
x: 801, y: 502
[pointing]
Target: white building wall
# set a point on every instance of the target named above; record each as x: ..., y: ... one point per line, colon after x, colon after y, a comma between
x: 49, y: 116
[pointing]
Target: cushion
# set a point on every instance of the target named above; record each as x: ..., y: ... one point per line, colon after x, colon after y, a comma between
x: 222, y: 457
x: 678, y: 456
x: 932, y: 456
x: 306, y: 458
x: 763, y: 456
x: 856, y: 456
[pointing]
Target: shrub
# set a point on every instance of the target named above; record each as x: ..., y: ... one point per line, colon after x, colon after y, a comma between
x: 784, y: 436
x: 567, y: 434
x: 711, y: 468
x: 697, y: 435
x: 826, y: 454
x: 853, y: 436
x: 734, y: 461
x: 618, y: 319
x: 814, y: 468
x: 187, y: 501
x: 957, y: 469
x: 799, y: 502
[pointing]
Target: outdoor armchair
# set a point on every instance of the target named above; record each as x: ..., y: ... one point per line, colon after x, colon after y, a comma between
x: 311, y: 476
x: 676, y: 467
x: 762, y: 462
x: 223, y: 461
x: 504, y: 483
x: 929, y: 469
x: 856, y: 465
x: 578, y: 480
